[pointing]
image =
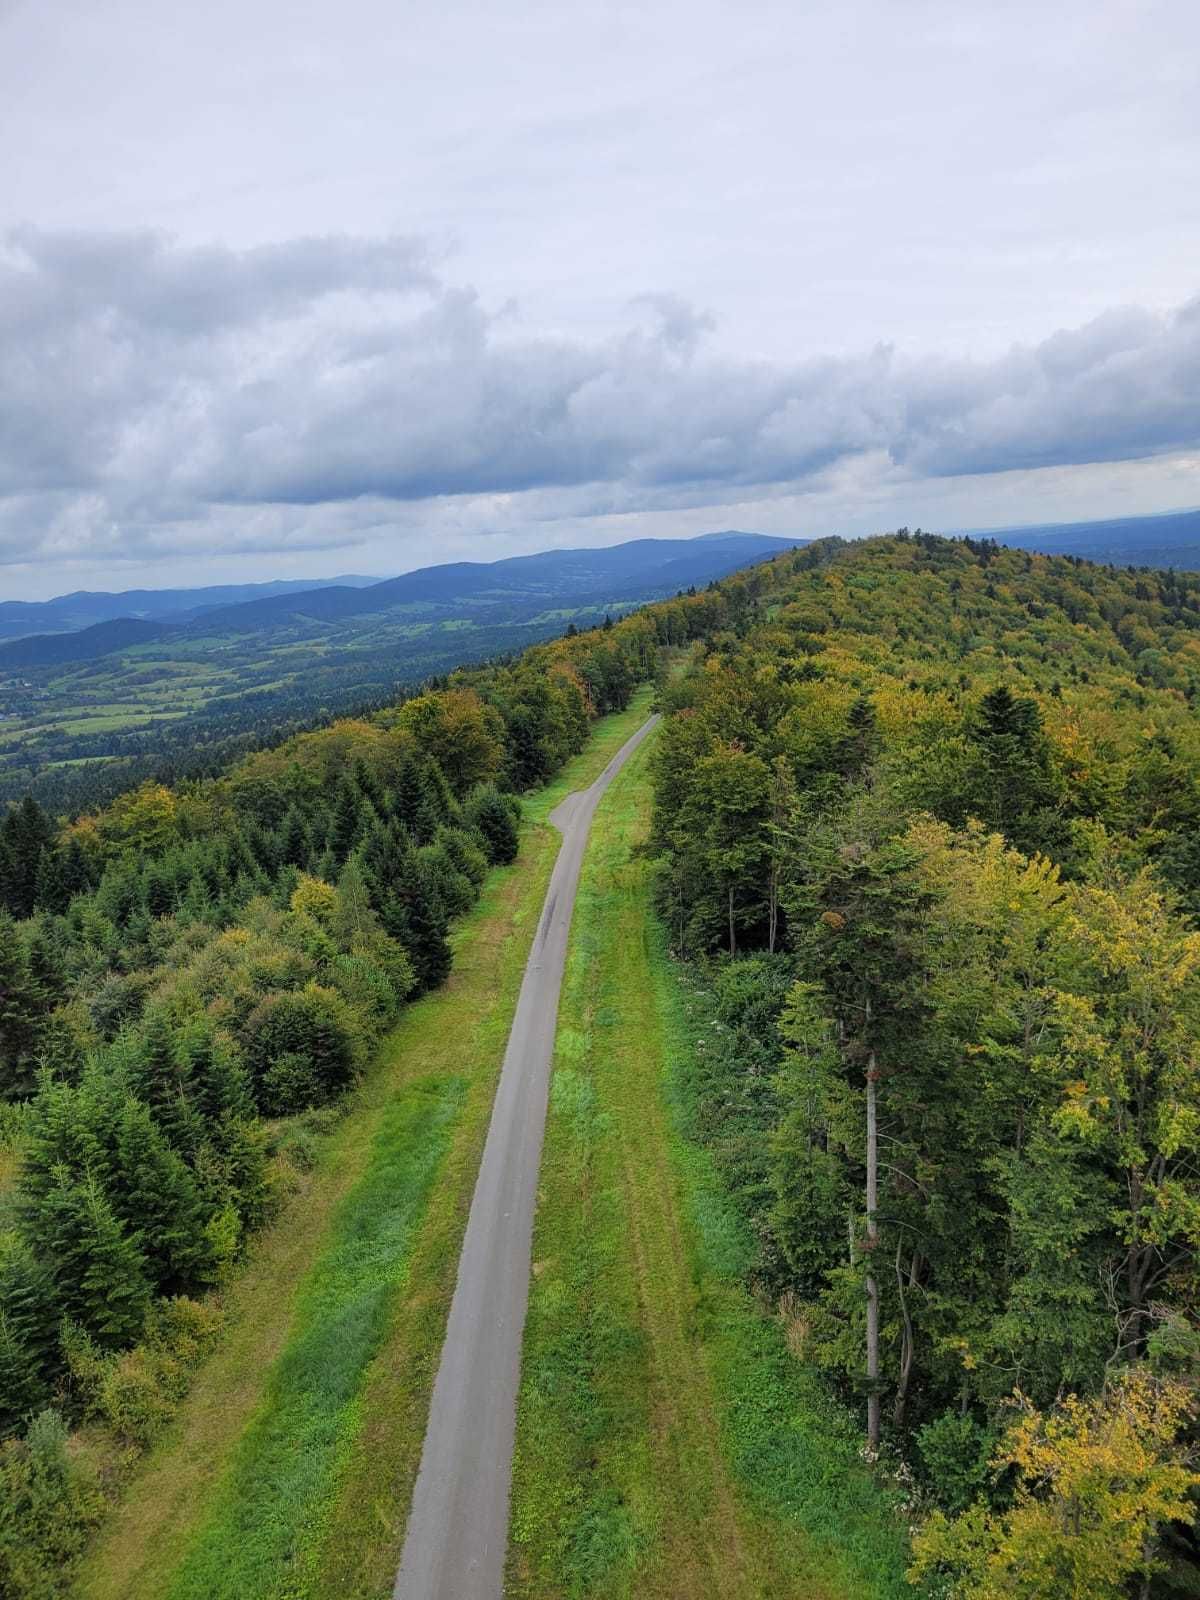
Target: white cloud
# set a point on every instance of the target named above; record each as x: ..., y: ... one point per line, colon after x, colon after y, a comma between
x: 153, y: 394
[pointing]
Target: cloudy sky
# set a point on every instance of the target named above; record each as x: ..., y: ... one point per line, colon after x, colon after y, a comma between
x: 304, y: 288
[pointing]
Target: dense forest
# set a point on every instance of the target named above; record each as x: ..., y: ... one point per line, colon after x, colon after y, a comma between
x: 927, y: 829
x: 190, y: 978
x: 927, y: 814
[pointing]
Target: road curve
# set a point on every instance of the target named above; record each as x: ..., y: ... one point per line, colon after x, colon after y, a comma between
x: 458, y: 1526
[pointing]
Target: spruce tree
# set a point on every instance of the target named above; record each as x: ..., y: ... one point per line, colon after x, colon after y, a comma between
x: 413, y: 802
x: 344, y: 828
x: 98, y: 1268
x: 19, y: 1015
x: 412, y: 913
x: 155, y: 1194
x: 22, y: 1388
x: 27, y: 833
x: 495, y: 817
x: 29, y: 1303
x: 295, y: 841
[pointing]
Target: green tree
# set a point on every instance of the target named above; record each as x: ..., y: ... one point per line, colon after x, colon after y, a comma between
x: 155, y: 1196
x: 99, y: 1271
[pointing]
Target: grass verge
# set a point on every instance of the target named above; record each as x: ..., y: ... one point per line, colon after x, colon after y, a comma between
x: 401, y: 1166
x: 667, y: 1443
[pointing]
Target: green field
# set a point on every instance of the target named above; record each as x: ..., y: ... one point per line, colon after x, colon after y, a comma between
x: 289, y: 1468
x: 668, y: 1444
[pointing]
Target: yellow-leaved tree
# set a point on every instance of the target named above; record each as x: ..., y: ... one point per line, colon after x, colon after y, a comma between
x: 1097, y: 1481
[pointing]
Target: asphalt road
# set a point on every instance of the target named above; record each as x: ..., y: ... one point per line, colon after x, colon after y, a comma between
x: 458, y: 1526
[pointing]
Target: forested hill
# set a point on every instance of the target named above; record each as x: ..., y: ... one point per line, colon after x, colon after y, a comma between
x: 927, y: 821
x: 929, y: 814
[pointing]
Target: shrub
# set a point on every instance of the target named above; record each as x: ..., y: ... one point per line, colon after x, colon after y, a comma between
x: 49, y: 1506
x: 955, y: 1452
x: 135, y: 1392
x: 289, y: 1085
x: 313, y: 1025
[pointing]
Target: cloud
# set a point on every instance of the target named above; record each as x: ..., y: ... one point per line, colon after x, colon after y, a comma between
x: 153, y: 397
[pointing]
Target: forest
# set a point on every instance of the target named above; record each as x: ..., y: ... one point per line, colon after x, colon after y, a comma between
x: 190, y: 980
x: 926, y: 837
x: 926, y: 818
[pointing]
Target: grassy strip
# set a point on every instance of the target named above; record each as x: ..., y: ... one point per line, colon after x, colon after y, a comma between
x: 667, y: 1444
x: 794, y: 1450
x: 453, y: 1037
x: 262, y: 1534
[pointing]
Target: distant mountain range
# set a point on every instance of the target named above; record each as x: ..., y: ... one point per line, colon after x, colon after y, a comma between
x: 513, y: 590
x: 196, y: 677
x: 67, y: 613
x: 1169, y: 540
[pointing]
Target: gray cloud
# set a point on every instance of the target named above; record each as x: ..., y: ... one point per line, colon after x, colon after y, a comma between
x: 153, y: 395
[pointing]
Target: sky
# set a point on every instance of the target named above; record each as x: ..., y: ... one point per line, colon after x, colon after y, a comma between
x: 301, y: 289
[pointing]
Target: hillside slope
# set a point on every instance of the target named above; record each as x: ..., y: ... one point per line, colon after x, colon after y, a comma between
x: 92, y: 711
x: 67, y: 613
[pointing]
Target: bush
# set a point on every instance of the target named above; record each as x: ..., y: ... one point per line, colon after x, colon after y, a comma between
x: 955, y: 1452
x: 301, y: 1048
x: 135, y: 1393
x: 49, y: 1506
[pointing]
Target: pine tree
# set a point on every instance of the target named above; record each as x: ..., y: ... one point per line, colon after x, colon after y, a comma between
x: 413, y: 915
x: 76, y: 872
x: 98, y: 1268
x: 47, y: 972
x: 19, y: 1014
x: 219, y: 1084
x: 155, y: 1195
x: 346, y: 811
x: 52, y: 891
x: 295, y: 841
x: 159, y: 1077
x: 495, y: 816
x: 27, y: 833
x: 413, y: 803
x: 1017, y: 780
x: 29, y: 1303
x: 22, y: 1388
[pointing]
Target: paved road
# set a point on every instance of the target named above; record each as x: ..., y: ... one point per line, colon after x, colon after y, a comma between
x: 458, y: 1526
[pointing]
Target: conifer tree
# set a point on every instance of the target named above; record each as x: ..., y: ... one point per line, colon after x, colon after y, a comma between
x: 295, y: 842
x: 19, y: 1014
x: 155, y: 1196
x: 27, y: 833
x: 344, y: 825
x: 29, y: 1303
x: 22, y: 1388
x: 411, y: 912
x: 98, y: 1268
x: 495, y: 816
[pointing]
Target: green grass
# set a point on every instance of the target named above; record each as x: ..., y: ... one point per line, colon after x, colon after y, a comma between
x: 667, y: 1442
x: 289, y: 1468
x: 263, y: 1532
